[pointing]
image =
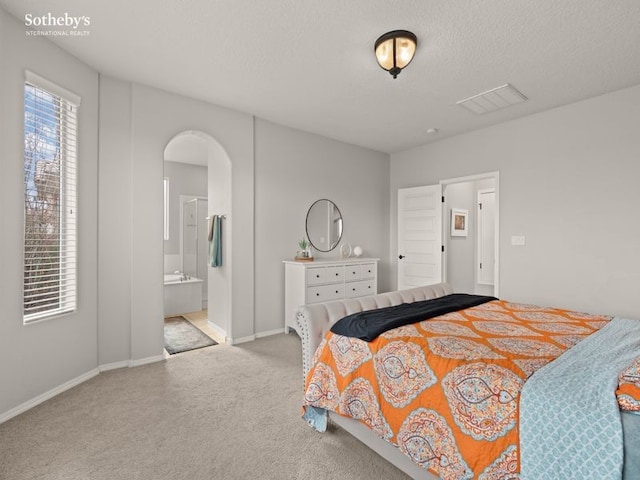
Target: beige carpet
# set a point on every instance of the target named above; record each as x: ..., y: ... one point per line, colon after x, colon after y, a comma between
x: 215, y: 413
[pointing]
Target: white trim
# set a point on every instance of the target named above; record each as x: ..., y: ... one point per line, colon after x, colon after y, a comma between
x: 237, y: 341
x: 51, y: 87
x: 471, y: 178
x: 268, y: 333
x: 47, y: 395
x: 35, y: 401
x: 113, y: 366
x: 222, y: 333
x: 146, y: 360
x: 479, y: 240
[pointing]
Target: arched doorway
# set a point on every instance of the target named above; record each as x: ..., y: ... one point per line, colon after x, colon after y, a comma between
x: 199, y: 189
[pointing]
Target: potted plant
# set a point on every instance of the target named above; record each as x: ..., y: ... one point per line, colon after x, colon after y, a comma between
x: 305, y: 249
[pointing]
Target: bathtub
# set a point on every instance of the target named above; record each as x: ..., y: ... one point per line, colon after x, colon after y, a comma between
x: 182, y: 294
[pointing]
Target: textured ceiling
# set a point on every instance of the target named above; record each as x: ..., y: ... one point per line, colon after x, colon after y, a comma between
x: 309, y: 64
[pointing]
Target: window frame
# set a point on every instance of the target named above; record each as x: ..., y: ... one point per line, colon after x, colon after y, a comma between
x: 58, y: 111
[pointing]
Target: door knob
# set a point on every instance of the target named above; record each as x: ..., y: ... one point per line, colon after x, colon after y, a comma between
x: 400, y: 257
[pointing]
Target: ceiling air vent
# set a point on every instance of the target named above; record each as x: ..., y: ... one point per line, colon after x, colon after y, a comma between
x: 493, y: 99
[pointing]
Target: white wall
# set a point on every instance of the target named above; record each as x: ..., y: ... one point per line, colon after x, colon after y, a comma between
x: 219, y: 191
x: 294, y: 169
x: 569, y: 183
x: 39, y: 357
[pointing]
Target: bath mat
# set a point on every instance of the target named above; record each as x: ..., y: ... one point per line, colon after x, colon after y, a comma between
x: 180, y: 335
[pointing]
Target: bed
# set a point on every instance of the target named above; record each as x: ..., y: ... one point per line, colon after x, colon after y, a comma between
x: 343, y: 377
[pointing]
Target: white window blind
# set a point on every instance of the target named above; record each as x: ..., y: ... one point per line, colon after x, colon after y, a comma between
x: 50, y: 236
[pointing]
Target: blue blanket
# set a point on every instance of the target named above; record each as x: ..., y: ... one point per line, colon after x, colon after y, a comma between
x: 570, y: 426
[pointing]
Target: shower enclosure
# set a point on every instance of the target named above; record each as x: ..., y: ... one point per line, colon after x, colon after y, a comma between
x: 195, y: 243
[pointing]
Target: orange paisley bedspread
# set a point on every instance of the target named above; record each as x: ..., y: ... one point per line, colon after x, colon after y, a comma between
x: 446, y: 390
x: 629, y: 387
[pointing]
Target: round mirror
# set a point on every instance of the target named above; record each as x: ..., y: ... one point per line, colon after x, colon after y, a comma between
x: 324, y: 225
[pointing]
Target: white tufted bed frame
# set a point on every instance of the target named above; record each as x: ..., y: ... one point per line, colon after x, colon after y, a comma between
x: 314, y: 321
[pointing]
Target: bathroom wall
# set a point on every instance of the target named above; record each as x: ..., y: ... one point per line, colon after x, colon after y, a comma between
x: 184, y: 179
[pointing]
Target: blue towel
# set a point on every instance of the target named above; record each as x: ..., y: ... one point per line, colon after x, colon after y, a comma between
x: 215, y: 242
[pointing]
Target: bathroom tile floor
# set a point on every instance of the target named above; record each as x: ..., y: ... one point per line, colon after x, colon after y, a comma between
x: 199, y: 319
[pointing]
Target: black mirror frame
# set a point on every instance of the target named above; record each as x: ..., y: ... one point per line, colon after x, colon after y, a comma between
x: 306, y: 225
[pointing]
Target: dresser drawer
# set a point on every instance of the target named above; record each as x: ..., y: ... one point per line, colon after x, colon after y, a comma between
x: 368, y: 270
x: 325, y: 293
x: 360, y: 289
x: 320, y: 275
x: 326, y: 280
x: 352, y: 272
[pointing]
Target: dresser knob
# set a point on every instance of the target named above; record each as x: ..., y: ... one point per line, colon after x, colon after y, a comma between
x: 337, y: 274
x: 336, y: 291
x: 317, y: 276
x: 317, y: 294
x: 354, y: 289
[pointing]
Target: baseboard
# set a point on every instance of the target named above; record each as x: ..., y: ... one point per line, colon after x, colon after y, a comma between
x: 131, y: 363
x: 145, y: 361
x: 47, y: 395
x: 268, y: 333
x: 216, y: 328
x: 113, y: 366
x: 251, y: 338
x: 237, y: 341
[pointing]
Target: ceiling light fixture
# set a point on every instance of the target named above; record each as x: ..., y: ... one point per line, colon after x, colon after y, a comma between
x: 395, y: 49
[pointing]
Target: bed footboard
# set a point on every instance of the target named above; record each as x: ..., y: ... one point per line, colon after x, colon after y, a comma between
x: 315, y: 320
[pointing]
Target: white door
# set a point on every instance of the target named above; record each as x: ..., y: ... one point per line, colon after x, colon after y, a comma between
x: 419, y: 236
x: 486, y: 237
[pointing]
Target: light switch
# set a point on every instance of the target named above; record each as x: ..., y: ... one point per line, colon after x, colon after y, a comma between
x: 517, y: 240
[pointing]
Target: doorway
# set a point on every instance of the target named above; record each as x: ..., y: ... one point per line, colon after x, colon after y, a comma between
x: 471, y: 260
x: 197, y: 174
x: 446, y: 234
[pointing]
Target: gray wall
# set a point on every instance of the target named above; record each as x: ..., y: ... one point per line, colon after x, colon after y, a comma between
x: 39, y: 357
x: 569, y: 183
x: 294, y: 169
x: 156, y: 117
x: 461, y: 252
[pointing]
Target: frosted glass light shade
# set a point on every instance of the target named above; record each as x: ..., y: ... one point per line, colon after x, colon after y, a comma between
x: 395, y: 50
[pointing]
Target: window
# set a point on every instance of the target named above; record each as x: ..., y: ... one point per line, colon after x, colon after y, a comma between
x: 166, y: 208
x: 50, y: 286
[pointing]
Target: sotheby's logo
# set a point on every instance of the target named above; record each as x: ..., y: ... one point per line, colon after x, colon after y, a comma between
x: 50, y: 25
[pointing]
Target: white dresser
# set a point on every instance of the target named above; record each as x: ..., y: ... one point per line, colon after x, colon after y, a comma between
x: 326, y: 280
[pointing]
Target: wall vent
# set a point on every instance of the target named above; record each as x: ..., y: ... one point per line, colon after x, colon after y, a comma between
x: 494, y: 99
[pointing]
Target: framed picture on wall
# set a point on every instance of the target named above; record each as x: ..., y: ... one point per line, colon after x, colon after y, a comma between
x: 459, y: 222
